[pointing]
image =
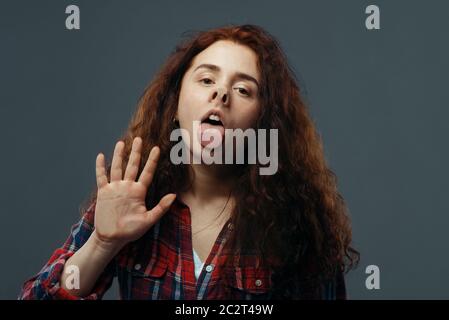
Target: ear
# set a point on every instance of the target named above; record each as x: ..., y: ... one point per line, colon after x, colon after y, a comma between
x: 175, y: 118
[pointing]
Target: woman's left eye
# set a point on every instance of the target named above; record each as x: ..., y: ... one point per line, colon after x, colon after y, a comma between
x: 243, y: 91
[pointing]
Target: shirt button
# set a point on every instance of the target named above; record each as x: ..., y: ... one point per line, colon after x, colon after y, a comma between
x: 137, y: 266
x: 258, y: 283
x: 209, y: 268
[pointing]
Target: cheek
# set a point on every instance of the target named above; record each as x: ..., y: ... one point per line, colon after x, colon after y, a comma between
x: 184, y: 107
x: 190, y: 102
x: 247, y: 118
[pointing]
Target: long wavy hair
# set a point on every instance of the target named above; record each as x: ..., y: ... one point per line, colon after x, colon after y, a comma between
x: 296, y: 220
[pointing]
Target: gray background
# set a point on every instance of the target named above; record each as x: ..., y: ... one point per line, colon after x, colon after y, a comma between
x: 379, y: 99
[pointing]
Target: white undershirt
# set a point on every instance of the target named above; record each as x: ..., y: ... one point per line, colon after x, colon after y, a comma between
x: 198, y: 264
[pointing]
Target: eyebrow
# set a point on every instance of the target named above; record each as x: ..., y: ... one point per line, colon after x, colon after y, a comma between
x: 239, y: 75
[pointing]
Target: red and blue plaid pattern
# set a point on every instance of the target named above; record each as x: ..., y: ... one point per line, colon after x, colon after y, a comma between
x: 160, y: 266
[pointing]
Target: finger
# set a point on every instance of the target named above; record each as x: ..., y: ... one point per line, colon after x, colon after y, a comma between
x: 162, y: 207
x: 116, y: 167
x: 134, y: 160
x: 150, y: 167
x: 100, y: 171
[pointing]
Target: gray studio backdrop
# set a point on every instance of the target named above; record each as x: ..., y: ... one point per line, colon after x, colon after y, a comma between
x: 378, y: 97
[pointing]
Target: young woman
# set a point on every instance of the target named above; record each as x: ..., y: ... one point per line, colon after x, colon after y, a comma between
x: 210, y: 231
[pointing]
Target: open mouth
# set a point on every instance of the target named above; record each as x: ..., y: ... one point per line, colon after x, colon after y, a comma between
x: 213, y: 120
x: 214, y: 123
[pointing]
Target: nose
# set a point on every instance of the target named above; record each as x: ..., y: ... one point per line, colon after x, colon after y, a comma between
x: 222, y: 95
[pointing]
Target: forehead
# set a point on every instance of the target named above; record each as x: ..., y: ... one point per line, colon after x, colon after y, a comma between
x: 229, y: 57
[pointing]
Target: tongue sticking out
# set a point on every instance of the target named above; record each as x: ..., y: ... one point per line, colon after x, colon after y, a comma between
x: 214, y: 130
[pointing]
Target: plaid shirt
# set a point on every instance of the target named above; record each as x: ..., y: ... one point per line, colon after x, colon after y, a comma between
x: 160, y: 266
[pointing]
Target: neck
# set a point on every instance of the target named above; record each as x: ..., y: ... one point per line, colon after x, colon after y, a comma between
x: 209, y: 196
x: 209, y: 182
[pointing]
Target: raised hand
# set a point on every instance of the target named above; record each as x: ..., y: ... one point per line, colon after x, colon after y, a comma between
x: 121, y: 215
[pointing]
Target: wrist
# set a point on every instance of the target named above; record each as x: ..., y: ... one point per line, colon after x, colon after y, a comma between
x: 106, y: 247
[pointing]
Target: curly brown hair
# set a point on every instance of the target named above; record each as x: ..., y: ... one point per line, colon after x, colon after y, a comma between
x: 295, y: 219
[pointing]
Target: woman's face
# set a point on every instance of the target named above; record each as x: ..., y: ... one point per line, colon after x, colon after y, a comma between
x: 223, y: 80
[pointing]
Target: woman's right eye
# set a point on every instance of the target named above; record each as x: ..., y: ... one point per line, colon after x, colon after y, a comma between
x: 206, y: 81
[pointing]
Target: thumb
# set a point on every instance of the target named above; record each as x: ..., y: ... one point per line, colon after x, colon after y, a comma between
x: 162, y: 207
